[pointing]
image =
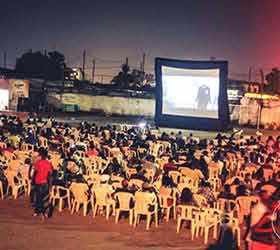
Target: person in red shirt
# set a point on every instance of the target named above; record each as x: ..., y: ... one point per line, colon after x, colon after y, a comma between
x: 170, y: 166
x: 42, y: 180
x: 92, y: 151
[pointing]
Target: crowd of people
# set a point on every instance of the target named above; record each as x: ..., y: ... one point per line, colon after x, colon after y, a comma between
x: 188, y: 171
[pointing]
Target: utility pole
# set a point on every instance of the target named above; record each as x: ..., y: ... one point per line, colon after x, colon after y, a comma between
x: 262, y: 80
x: 5, y: 60
x: 143, y: 62
x: 260, y: 101
x: 250, y: 74
x: 93, y: 70
x: 84, y: 63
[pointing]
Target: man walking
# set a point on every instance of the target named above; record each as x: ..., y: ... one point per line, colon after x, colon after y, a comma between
x: 42, y: 179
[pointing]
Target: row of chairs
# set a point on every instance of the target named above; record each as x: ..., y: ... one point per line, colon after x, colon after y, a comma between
x: 101, y: 198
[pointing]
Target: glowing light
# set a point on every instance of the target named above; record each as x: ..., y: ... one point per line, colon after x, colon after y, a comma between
x: 142, y: 124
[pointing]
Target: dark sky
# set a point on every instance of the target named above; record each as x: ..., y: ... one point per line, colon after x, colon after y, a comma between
x: 245, y: 32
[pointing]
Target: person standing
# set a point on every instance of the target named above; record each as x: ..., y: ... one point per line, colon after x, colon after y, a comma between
x: 261, y: 234
x: 42, y: 179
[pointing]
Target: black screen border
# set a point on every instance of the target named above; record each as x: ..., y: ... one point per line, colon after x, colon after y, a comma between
x: 190, y: 122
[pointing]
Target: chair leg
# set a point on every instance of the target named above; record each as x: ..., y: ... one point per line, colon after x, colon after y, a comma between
x: 167, y: 214
x: 192, y: 229
x: 85, y: 208
x: 156, y: 218
x: 238, y: 236
x: 148, y: 221
x: 206, y: 231
x: 174, y: 212
x: 69, y: 203
x: 92, y: 204
x: 95, y: 210
x: 135, y: 219
x: 130, y: 217
x: 178, y: 225
x: 60, y: 205
x: 108, y: 212
x: 215, y: 232
x: 15, y: 193
x: 7, y: 191
x: 201, y: 231
x: 117, y: 216
x: 197, y: 228
x: 77, y: 206
x: 29, y: 190
x: 73, y: 207
x: 114, y: 209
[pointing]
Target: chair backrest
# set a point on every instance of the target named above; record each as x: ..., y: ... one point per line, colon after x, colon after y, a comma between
x: 136, y: 182
x: 255, y: 183
x: 9, y: 156
x: 225, y: 204
x: 200, y: 199
x: 80, y: 153
x: 187, y: 211
x: 215, y: 184
x: 244, y: 204
x: 130, y: 171
x: 149, y: 173
x: 165, y: 194
x: 186, y: 171
x: 143, y: 200
x: 55, y: 161
x: 14, y: 165
x: 100, y: 164
x: 43, y: 142
x: 176, y: 176
x: 12, y: 178
x: 230, y: 220
x: 233, y: 189
x: 269, y: 188
x: 183, y: 185
x: 79, y: 191
x: 165, y: 144
x: 57, y: 190
x: 102, y: 194
x: 267, y: 173
x: 3, y: 145
x: 116, y: 178
x: 214, y: 172
x: 124, y: 199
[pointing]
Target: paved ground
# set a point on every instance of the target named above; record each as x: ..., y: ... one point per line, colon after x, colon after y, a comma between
x: 20, y: 231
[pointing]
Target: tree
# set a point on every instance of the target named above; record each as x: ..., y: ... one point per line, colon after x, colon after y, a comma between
x: 273, y: 80
x: 56, y: 65
x: 123, y: 78
x: 129, y: 79
x: 38, y: 65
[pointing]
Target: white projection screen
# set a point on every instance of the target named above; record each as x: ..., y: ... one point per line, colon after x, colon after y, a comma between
x: 190, y: 92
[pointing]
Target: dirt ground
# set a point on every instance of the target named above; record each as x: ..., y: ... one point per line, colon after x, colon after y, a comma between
x: 19, y: 230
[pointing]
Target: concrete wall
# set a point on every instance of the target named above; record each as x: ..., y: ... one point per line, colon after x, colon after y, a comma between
x: 245, y: 114
x: 107, y: 104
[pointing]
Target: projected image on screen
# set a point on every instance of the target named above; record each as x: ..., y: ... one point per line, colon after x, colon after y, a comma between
x: 190, y: 92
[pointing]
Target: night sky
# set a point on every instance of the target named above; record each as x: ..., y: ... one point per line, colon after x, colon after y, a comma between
x: 245, y: 32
